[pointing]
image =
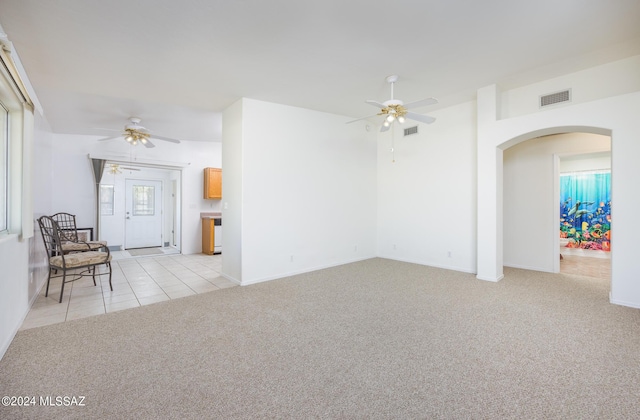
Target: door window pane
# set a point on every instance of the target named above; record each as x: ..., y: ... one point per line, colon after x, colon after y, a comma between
x: 143, y: 200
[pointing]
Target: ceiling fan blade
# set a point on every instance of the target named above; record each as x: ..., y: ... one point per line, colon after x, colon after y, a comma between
x: 129, y: 169
x: 422, y: 102
x: 375, y: 103
x: 148, y: 144
x: 106, y: 129
x: 419, y: 117
x: 110, y: 138
x: 385, y: 128
x: 164, y: 138
x: 363, y: 118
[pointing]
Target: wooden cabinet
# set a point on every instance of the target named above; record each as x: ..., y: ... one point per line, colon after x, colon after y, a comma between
x: 212, y: 183
x: 208, y: 235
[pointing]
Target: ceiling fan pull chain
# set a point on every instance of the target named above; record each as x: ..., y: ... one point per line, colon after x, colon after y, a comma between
x: 393, y: 145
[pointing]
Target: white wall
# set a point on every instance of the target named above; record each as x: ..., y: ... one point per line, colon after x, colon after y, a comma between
x: 14, y: 287
x: 585, y: 162
x: 530, y: 203
x: 74, y: 187
x: 232, y: 191
x: 427, y: 197
x: 308, y: 190
x: 42, y: 203
x: 611, y: 79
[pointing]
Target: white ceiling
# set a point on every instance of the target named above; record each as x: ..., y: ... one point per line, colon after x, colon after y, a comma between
x: 178, y: 64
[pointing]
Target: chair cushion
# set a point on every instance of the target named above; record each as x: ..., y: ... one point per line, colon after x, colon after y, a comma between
x: 80, y: 259
x: 83, y: 246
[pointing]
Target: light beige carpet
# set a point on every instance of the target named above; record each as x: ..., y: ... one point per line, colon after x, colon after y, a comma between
x: 368, y: 340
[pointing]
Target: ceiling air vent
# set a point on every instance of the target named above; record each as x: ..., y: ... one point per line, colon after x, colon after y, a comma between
x: 555, y: 98
x: 411, y: 130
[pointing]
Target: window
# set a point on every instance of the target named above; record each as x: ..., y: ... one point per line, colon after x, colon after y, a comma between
x: 4, y: 167
x: 143, y: 200
x: 16, y: 134
x: 106, y: 200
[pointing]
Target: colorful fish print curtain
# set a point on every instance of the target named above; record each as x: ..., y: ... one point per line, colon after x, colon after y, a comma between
x: 585, y: 209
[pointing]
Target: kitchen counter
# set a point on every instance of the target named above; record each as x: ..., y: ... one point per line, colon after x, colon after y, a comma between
x: 211, y: 215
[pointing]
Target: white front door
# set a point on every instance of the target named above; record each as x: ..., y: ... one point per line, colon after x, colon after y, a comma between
x: 143, y: 213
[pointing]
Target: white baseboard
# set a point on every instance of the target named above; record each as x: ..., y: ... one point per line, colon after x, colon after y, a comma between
x: 624, y: 303
x: 491, y: 279
x: 428, y: 264
x: 306, y: 270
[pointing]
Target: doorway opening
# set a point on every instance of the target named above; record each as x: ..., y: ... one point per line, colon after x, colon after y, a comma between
x: 140, y: 208
x: 585, y: 214
x: 531, y: 197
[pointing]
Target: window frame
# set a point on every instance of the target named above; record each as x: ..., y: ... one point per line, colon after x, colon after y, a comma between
x: 4, y: 166
x: 14, y: 94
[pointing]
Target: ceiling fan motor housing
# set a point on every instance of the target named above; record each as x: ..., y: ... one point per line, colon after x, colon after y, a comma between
x: 135, y: 124
x: 392, y: 102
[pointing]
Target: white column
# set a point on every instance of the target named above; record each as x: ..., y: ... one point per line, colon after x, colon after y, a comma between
x: 490, y: 221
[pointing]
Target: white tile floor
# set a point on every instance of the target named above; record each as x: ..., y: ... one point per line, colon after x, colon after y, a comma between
x: 136, y: 281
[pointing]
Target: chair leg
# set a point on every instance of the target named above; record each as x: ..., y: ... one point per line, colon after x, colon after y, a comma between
x: 64, y: 277
x: 110, y: 285
x: 46, y: 293
x: 93, y: 273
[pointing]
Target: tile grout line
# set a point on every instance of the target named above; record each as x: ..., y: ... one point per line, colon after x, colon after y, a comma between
x: 129, y: 283
x: 154, y: 280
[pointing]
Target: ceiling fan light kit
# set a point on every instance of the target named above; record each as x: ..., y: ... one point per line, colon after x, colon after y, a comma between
x: 133, y: 137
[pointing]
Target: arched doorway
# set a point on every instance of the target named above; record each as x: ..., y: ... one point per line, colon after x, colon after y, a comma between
x: 531, y: 172
x: 614, y: 116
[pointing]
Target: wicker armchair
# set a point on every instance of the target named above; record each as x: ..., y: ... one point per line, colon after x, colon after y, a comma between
x: 69, y: 235
x: 73, y: 265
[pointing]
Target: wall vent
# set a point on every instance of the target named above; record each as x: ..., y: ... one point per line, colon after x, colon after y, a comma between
x: 555, y: 98
x: 411, y: 130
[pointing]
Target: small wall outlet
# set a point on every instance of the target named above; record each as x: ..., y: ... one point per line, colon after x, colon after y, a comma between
x: 449, y: 254
x: 394, y: 247
x: 292, y: 258
x: 355, y: 248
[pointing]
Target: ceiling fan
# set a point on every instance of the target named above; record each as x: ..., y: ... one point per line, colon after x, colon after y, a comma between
x: 396, y: 110
x: 117, y: 169
x: 135, y: 133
